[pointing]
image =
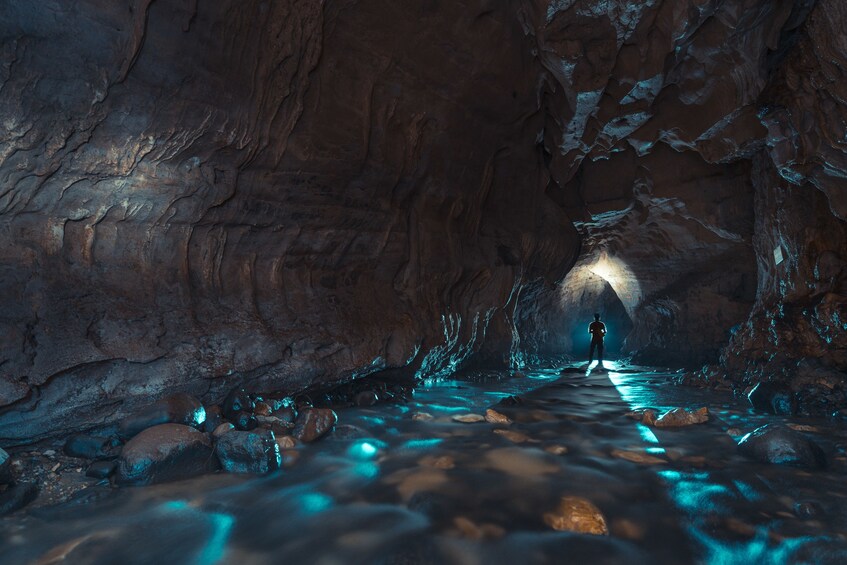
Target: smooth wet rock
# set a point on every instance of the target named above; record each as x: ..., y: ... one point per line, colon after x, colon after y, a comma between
x: 5, y: 467
x: 17, y: 496
x: 773, y: 398
x: 494, y: 417
x: 314, y: 423
x: 679, y: 417
x: 365, y: 398
x: 177, y: 408
x: 236, y: 402
x: 245, y: 421
x: 249, y: 452
x: 468, y: 418
x: 637, y: 457
x: 101, y: 469
x: 167, y: 452
x: 262, y: 409
x: 513, y: 436
x: 223, y: 428
x: 808, y: 510
x: 646, y: 416
x: 287, y: 414
x: 422, y: 417
x: 214, y: 418
x: 579, y: 515
x: 90, y: 447
x: 286, y: 442
x: 781, y: 445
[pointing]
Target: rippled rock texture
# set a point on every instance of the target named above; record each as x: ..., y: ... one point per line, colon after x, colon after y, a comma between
x: 280, y: 194
x: 269, y: 193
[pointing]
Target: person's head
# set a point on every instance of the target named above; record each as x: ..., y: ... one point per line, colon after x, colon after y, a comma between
x: 597, y: 316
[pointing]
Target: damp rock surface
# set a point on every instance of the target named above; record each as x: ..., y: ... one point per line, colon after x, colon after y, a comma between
x: 248, y: 452
x: 167, y: 452
x: 783, y: 446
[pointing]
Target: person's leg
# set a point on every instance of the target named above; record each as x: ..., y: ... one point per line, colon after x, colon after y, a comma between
x: 591, y: 352
x: 600, y: 353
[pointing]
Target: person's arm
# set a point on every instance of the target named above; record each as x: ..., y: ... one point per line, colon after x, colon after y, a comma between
x: 604, y: 329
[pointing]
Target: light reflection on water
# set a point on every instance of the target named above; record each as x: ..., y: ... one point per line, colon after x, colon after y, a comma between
x: 405, y: 490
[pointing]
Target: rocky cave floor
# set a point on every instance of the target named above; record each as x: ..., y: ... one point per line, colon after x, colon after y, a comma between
x: 484, y: 468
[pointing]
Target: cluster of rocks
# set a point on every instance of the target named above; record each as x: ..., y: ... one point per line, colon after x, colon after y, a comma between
x: 175, y: 438
x: 13, y: 494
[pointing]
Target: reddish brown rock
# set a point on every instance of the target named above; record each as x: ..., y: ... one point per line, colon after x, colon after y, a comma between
x: 314, y: 423
x: 167, y: 452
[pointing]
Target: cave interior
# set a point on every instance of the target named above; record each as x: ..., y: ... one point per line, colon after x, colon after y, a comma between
x: 311, y: 281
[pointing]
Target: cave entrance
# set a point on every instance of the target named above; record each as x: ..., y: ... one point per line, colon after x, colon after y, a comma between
x: 604, y: 285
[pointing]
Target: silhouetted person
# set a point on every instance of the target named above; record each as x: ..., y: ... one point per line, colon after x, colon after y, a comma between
x: 597, y: 329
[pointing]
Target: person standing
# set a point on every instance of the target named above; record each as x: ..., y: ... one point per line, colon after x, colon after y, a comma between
x: 597, y: 329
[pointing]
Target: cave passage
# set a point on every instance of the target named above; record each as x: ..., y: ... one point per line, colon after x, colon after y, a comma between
x: 310, y: 281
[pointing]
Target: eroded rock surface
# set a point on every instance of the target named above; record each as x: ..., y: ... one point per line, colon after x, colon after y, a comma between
x: 275, y: 195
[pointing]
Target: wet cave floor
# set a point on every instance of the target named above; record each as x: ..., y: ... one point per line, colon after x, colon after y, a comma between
x: 392, y: 485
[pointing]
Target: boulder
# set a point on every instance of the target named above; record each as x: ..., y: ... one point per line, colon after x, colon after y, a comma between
x: 263, y: 409
x: 90, y: 447
x: 781, y: 445
x: 16, y: 497
x: 167, y: 452
x: 287, y: 414
x: 248, y: 452
x: 177, y: 408
x: 237, y: 401
x: 314, y: 423
x: 773, y: 398
x: 5, y: 467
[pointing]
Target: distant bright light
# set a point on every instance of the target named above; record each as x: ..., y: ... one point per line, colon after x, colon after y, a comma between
x: 621, y: 278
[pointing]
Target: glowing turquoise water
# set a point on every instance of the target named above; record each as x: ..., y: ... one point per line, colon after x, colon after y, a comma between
x: 399, y: 487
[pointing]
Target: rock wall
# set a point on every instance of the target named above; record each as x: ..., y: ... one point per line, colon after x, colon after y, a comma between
x: 284, y: 194
x: 797, y: 332
x: 275, y: 194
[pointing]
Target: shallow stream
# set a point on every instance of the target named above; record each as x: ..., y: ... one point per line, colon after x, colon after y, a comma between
x: 392, y: 486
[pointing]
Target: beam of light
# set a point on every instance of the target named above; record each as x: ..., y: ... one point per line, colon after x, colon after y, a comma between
x: 622, y: 280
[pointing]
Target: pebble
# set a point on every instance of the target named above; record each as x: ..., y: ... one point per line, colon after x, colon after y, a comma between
x: 637, y: 457
x: 101, y: 469
x: 248, y: 452
x: 237, y: 401
x: 286, y: 442
x: 314, y: 423
x: 468, y: 418
x: 579, y: 515
x: 262, y: 409
x: 494, y: 417
x: 222, y: 429
x: 423, y: 417
x: 442, y: 462
x: 556, y: 449
x: 514, y: 437
x: 678, y: 417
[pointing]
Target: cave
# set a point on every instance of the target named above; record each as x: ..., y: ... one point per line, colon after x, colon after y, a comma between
x: 311, y: 281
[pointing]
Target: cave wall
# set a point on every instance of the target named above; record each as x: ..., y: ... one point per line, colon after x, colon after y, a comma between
x: 797, y: 331
x: 197, y: 195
